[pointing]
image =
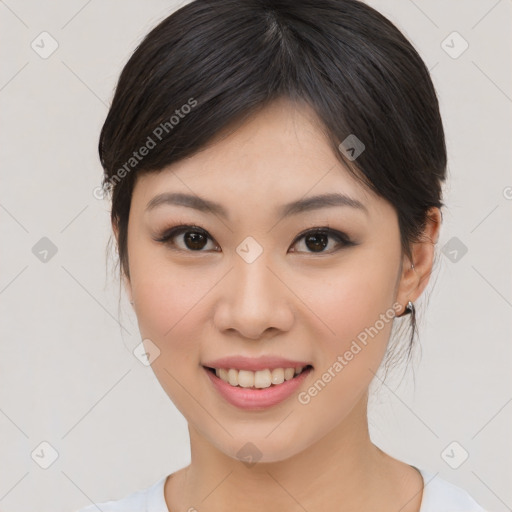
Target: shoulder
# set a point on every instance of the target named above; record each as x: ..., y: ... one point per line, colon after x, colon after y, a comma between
x: 439, y: 495
x: 150, y: 499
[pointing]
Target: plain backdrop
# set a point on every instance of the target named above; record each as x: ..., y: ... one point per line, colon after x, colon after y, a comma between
x: 74, y: 398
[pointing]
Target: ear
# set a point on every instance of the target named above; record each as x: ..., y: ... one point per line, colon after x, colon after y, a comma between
x: 126, y: 281
x: 414, y: 280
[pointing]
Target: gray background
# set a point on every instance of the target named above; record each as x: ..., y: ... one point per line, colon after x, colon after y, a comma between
x: 67, y: 373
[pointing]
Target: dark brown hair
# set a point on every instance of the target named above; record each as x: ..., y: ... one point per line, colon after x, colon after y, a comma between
x: 212, y: 63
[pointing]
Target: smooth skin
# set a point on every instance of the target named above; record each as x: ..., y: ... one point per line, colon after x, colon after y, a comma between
x: 199, y: 301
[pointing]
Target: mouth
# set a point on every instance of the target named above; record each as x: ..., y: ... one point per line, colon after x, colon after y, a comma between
x: 258, y: 380
x: 258, y: 390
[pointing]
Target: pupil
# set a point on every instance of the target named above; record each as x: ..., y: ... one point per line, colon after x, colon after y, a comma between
x: 320, y: 239
x: 193, y: 240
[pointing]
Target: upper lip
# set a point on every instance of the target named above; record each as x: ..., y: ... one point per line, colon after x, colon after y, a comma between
x: 254, y: 363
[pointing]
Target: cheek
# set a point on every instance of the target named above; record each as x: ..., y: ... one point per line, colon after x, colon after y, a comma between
x: 356, y: 305
x: 170, y: 313
x: 355, y: 302
x: 349, y: 299
x: 168, y: 300
x: 167, y: 308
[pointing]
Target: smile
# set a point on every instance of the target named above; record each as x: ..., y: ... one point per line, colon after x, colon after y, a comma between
x: 258, y: 379
x: 237, y: 387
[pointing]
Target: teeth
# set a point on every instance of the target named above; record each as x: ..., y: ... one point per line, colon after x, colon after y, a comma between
x: 259, y: 379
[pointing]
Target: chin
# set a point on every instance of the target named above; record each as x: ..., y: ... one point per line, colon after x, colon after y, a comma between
x: 260, y: 449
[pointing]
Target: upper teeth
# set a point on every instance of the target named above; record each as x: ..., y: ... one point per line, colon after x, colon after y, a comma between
x: 258, y: 379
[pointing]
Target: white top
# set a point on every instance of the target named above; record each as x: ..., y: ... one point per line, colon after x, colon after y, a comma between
x: 438, y: 496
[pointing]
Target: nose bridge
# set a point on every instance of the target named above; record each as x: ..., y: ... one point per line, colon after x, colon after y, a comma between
x: 254, y: 283
x: 254, y: 299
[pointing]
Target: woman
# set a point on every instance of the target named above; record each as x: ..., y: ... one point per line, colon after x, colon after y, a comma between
x: 276, y: 171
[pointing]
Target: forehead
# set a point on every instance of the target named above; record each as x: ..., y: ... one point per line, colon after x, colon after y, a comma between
x: 278, y: 155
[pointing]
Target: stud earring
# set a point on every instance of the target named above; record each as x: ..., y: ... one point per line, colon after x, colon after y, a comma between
x: 409, y: 308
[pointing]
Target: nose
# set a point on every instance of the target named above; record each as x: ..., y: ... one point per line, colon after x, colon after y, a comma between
x: 253, y: 300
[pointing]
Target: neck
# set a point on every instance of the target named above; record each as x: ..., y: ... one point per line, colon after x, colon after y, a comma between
x: 343, y: 470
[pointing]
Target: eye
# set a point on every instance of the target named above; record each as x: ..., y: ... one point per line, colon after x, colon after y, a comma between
x: 317, y: 240
x: 194, y: 239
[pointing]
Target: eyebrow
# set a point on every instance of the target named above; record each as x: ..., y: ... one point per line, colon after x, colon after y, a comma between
x: 293, y: 208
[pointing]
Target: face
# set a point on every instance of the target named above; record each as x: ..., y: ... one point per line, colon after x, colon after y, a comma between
x: 254, y: 280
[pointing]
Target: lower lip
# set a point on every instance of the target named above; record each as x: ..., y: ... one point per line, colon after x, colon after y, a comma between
x: 247, y: 398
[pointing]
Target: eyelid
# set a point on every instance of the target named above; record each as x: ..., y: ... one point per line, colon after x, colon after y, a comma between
x: 320, y: 229
x: 343, y: 239
x: 178, y: 229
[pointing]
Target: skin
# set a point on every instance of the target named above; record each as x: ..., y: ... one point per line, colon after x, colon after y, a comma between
x: 197, y: 305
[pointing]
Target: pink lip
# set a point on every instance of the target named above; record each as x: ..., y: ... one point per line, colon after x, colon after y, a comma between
x: 254, y: 364
x: 247, y: 398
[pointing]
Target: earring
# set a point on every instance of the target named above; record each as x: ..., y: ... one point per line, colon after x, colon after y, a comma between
x: 131, y: 302
x: 409, y: 308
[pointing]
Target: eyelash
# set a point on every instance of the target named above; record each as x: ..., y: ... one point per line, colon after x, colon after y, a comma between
x: 340, y: 237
